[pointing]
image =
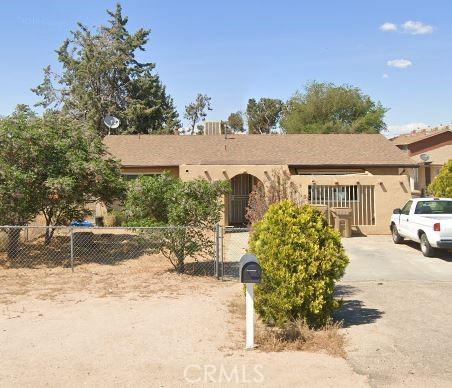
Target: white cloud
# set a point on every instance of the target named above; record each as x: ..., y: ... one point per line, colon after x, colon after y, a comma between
x: 400, y: 129
x: 385, y: 75
x: 388, y: 27
x: 400, y: 63
x: 417, y: 28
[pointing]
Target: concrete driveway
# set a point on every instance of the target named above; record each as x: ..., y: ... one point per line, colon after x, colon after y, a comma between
x: 397, y: 313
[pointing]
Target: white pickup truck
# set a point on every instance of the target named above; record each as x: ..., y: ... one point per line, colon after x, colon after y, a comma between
x: 427, y: 221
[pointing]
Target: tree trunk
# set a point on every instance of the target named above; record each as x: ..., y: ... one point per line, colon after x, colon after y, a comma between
x: 13, y: 243
x: 180, y: 264
x: 48, y: 235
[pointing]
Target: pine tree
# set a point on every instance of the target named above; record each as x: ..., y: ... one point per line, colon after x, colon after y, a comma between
x: 102, y: 76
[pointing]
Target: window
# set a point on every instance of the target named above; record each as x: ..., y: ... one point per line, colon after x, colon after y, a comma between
x: 320, y: 193
x: 359, y: 198
x: 433, y: 207
x: 130, y: 177
x: 407, y: 207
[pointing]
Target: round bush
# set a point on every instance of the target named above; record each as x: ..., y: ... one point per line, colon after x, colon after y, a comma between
x: 301, y: 258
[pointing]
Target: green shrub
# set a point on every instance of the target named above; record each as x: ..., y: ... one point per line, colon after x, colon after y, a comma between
x: 191, y: 208
x: 114, y: 217
x: 442, y: 184
x: 301, y: 258
x: 146, y: 201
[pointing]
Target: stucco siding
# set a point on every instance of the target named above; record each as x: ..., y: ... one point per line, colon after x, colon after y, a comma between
x: 391, y: 191
x: 223, y: 172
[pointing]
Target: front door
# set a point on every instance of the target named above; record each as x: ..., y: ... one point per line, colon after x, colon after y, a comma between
x: 241, y: 187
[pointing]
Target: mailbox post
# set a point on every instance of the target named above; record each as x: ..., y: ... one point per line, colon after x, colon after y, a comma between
x: 250, y: 274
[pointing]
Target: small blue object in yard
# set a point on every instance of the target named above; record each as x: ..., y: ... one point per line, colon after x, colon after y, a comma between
x: 82, y: 224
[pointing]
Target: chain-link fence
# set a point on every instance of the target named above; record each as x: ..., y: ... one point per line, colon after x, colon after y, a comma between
x: 203, y: 252
x: 234, y: 244
x: 181, y: 249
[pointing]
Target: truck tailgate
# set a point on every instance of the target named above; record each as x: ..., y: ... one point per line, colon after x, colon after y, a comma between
x: 446, y: 229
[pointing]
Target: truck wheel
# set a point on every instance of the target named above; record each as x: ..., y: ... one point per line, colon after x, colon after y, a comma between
x: 396, y: 237
x: 426, y: 248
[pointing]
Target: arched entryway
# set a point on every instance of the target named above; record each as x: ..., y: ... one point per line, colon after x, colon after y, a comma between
x: 241, y: 187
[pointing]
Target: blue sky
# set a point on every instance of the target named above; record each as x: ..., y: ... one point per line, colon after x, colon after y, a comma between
x: 235, y: 50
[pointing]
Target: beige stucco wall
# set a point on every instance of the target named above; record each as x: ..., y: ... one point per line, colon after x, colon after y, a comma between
x: 227, y: 172
x: 383, y: 170
x: 391, y: 191
x: 222, y: 172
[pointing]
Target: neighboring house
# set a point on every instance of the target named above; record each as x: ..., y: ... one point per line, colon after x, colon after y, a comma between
x: 430, y: 149
x: 365, y: 173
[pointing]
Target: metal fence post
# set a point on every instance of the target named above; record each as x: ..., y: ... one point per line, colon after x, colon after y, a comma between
x: 217, y: 251
x: 221, y: 233
x: 72, y: 249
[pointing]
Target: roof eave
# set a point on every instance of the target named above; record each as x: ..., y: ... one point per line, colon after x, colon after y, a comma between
x: 386, y: 165
x: 149, y: 165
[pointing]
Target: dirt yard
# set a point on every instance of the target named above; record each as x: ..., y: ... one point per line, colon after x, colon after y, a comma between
x: 137, y: 324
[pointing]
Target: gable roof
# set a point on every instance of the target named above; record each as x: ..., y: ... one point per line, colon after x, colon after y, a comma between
x: 415, y: 136
x: 300, y: 150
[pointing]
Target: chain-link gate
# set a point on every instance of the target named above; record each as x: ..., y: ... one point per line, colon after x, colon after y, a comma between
x: 233, y: 245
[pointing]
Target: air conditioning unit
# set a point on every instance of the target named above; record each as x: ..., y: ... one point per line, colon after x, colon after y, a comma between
x: 213, y: 127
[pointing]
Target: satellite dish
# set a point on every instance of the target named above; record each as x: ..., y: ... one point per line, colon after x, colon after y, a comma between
x: 424, y: 157
x: 111, y: 122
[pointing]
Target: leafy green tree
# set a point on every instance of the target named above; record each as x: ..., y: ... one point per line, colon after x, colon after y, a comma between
x: 235, y: 122
x: 301, y: 257
x: 190, y: 209
x: 19, y: 180
x: 195, y: 207
x: 102, y: 76
x: 146, y: 200
x: 75, y: 171
x: 327, y: 108
x: 442, y: 184
x: 196, y: 111
x: 263, y: 116
x: 50, y: 166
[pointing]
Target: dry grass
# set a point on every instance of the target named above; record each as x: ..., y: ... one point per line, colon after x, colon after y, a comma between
x: 296, y: 336
x: 144, y: 276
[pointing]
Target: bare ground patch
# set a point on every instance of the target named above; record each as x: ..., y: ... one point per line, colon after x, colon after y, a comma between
x: 144, y: 276
x: 138, y: 323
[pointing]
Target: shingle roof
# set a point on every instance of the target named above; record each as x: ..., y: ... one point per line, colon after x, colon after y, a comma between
x: 413, y: 137
x: 301, y: 150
